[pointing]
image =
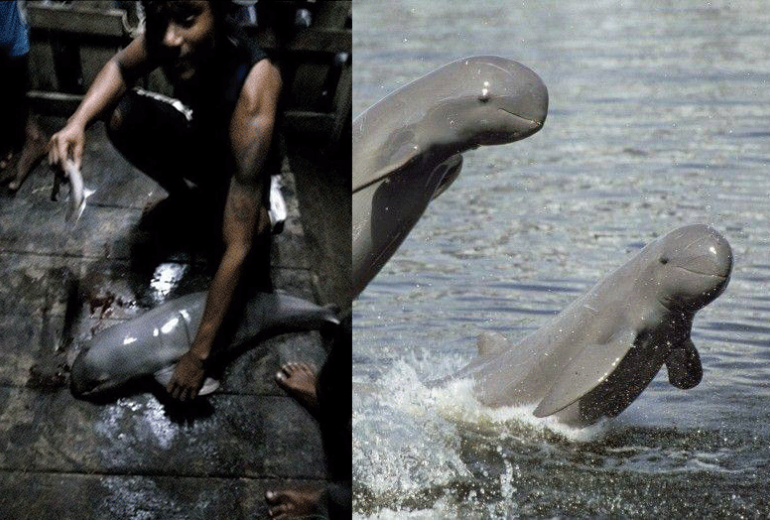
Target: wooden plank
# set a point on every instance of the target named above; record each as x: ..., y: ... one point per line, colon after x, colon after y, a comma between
x: 82, y: 20
x: 57, y: 496
x: 248, y: 436
x: 329, y: 41
x: 53, y: 103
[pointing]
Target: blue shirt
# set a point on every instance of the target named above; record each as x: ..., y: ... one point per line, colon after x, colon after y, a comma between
x: 13, y: 33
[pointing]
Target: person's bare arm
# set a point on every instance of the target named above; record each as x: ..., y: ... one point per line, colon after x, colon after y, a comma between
x: 108, y: 86
x: 251, y: 131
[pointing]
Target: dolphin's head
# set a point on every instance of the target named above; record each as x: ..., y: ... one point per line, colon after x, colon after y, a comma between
x: 485, y: 100
x: 692, y: 266
x: 406, y: 147
x: 86, y: 380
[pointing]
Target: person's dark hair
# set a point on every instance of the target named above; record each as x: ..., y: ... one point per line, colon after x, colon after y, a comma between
x: 159, y: 12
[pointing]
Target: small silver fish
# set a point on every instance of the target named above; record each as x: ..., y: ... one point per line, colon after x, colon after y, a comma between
x: 77, y: 194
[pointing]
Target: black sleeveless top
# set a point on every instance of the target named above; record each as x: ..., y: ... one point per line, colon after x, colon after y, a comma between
x: 213, y: 101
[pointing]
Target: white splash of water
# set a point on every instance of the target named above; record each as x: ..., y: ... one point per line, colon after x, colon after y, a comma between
x: 408, y: 439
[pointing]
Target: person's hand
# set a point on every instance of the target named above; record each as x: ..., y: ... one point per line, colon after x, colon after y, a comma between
x: 188, y: 378
x: 69, y: 141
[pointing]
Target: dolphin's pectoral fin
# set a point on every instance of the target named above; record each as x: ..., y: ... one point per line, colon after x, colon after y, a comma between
x: 449, y: 171
x: 684, y: 367
x: 383, y: 173
x: 492, y: 343
x: 396, y: 153
x: 584, y: 372
x: 163, y: 377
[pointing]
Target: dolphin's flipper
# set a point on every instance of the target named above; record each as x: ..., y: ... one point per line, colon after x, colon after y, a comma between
x: 163, y: 377
x: 584, y: 372
x: 684, y: 367
x: 395, y: 154
x: 492, y: 343
x: 449, y: 171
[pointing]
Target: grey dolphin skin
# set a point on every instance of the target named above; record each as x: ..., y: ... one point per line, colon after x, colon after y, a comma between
x: 598, y: 355
x: 406, y: 147
x: 151, y: 344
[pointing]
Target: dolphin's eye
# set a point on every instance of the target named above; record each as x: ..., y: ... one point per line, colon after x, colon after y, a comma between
x: 663, y: 260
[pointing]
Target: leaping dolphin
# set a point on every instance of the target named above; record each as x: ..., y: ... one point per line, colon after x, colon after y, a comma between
x: 406, y: 147
x: 151, y: 344
x: 598, y: 355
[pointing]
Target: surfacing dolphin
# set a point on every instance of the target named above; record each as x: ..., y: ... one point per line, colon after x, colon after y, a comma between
x: 595, y: 357
x: 151, y: 344
x: 406, y: 147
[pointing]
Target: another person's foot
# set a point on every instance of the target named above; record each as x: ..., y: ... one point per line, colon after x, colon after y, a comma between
x: 292, y: 503
x: 34, y: 149
x: 6, y: 160
x: 298, y: 379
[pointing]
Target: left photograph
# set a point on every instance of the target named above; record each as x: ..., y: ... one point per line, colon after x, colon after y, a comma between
x: 175, y: 251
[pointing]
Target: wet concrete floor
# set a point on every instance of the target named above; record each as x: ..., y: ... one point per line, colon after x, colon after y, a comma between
x: 138, y: 455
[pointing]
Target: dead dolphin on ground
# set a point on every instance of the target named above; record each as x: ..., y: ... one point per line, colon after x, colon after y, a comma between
x: 599, y: 354
x: 151, y: 344
x: 406, y: 147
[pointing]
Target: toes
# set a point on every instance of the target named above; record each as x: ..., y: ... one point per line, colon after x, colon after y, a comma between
x: 5, y: 161
x: 292, y: 368
x: 277, y: 505
x: 308, y: 369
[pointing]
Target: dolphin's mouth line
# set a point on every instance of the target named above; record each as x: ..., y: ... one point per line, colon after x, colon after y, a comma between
x: 701, y: 273
x: 532, y: 121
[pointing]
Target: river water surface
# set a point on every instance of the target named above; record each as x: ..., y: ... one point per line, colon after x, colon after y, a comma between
x: 659, y: 117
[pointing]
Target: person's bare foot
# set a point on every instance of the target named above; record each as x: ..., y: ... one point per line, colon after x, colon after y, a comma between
x: 292, y: 503
x: 6, y: 160
x: 35, y: 147
x: 298, y: 379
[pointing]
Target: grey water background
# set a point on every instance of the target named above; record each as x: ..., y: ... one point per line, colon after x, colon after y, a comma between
x: 659, y: 117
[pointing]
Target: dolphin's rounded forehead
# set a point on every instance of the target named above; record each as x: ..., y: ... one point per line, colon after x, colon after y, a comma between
x: 697, y: 237
x: 484, y: 75
x: 475, y: 76
x: 502, y: 77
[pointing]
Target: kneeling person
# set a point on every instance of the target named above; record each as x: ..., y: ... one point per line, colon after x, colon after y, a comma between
x: 217, y: 136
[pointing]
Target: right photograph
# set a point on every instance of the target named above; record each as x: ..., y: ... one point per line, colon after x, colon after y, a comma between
x: 561, y: 259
